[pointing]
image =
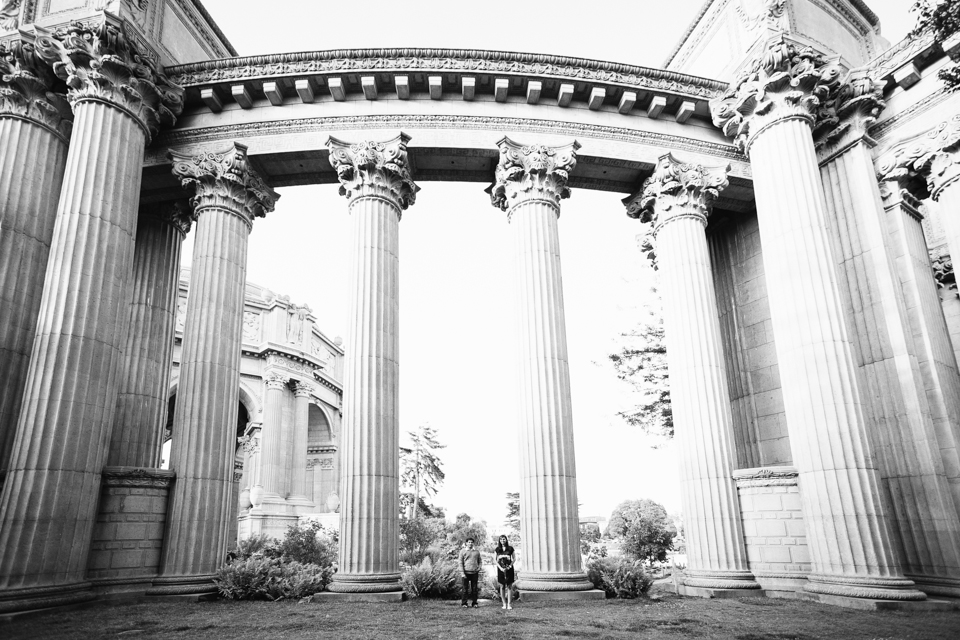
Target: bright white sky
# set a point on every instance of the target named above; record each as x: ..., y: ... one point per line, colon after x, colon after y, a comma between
x: 456, y: 330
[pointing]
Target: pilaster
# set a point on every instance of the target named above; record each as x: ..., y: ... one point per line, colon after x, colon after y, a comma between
x: 142, y: 399
x: 677, y: 200
x: 375, y: 178
x: 229, y: 195
x: 771, y: 111
x: 53, y: 482
x: 530, y: 182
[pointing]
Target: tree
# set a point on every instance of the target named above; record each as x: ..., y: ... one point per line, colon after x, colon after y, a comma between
x: 416, y: 537
x: 421, y: 466
x: 942, y: 18
x: 644, y: 530
x: 466, y: 527
x: 643, y: 364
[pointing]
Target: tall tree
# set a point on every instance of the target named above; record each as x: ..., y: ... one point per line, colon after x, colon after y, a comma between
x: 642, y: 362
x: 942, y: 18
x: 644, y: 529
x: 513, y: 511
x: 421, y: 468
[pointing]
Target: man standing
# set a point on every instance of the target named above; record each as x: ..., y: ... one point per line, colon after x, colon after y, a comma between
x: 470, y: 566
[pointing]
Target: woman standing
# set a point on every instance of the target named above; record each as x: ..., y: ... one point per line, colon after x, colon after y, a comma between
x: 505, y: 577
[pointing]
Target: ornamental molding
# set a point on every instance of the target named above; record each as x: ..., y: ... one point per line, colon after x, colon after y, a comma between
x: 291, y: 363
x: 249, y: 444
x: 322, y: 463
x: 770, y: 13
x: 137, y: 477
x: 30, y: 90
x: 9, y: 14
x: 374, y: 169
x: 443, y: 60
x: 942, y: 265
x: 931, y: 156
x: 225, y: 179
x: 896, y: 56
x: 783, y: 81
x: 847, y: 117
x: 766, y: 477
x: 303, y: 389
x: 883, y: 129
x: 177, y: 213
x: 532, y: 172
x: 677, y: 189
x: 100, y: 62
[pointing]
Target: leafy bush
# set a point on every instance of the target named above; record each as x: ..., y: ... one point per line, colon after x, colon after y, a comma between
x: 261, y: 577
x: 310, y: 543
x: 261, y: 544
x: 619, y: 577
x: 431, y: 579
x: 417, y: 537
x: 490, y: 588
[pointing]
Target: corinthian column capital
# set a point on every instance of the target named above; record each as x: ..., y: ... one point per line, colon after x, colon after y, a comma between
x: 303, y: 389
x: 99, y: 63
x: 374, y: 169
x: 846, y: 117
x: 225, y: 179
x: 932, y: 157
x: 28, y: 89
x: 178, y: 214
x: 784, y: 81
x: 536, y: 172
x: 276, y: 381
x: 677, y: 189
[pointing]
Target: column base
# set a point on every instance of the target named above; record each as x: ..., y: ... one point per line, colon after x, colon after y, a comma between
x: 936, y: 585
x: 365, y: 583
x: 576, y: 581
x: 14, y: 600
x: 736, y: 580
x: 183, y: 586
x: 868, y: 587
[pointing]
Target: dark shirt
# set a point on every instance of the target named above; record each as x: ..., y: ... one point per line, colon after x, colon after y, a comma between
x: 505, y: 557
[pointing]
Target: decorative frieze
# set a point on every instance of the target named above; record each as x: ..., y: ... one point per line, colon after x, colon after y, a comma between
x: 374, y: 169
x: 931, y: 156
x: 29, y: 89
x: 225, y: 179
x: 9, y: 14
x: 942, y: 265
x: 99, y: 62
x: 785, y: 81
x: 784, y: 476
x: 528, y: 172
x: 137, y: 477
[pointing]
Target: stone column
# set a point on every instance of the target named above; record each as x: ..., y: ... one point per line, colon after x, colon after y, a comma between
x: 49, y: 501
x: 376, y: 180
x: 229, y: 195
x: 302, y: 392
x: 144, y: 381
x: 35, y: 123
x: 271, y: 440
x: 530, y: 182
x: 770, y: 110
x: 677, y: 199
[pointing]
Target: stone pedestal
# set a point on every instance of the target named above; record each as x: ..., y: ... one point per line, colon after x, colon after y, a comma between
x: 229, y: 195
x: 376, y: 180
x: 35, y: 128
x: 530, y: 182
x: 49, y: 501
x: 142, y: 400
x: 848, y: 531
x: 677, y: 201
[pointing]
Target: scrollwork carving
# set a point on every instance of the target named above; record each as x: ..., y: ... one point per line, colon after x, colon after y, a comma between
x: 9, y: 14
x: 225, y: 179
x: 374, y: 169
x: 532, y: 171
x: 29, y: 89
x: 942, y: 265
x: 932, y: 156
x: 849, y: 114
x: 101, y: 63
x: 784, y: 81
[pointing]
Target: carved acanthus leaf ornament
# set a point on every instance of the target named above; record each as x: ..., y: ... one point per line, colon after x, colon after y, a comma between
x: 178, y: 214
x: 851, y: 111
x: 374, y: 169
x: 100, y: 63
x: 785, y: 81
x: 532, y: 172
x: 942, y: 265
x: 225, y: 179
x: 28, y: 89
x: 9, y: 14
x: 932, y: 156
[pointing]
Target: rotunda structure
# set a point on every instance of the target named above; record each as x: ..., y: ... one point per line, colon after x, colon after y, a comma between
x: 797, y: 176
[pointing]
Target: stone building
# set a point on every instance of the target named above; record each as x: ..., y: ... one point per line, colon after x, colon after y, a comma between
x: 794, y: 170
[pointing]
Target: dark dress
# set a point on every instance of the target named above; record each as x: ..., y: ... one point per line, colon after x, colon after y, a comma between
x: 505, y: 565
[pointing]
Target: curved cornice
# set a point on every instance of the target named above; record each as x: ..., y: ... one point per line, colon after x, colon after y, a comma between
x: 427, y: 60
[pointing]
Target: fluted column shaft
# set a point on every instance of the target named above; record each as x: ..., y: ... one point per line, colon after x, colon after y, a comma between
x: 32, y: 162
x: 229, y: 195
x: 142, y: 401
x: 301, y: 417
x: 848, y: 531
x: 271, y: 440
x: 53, y: 482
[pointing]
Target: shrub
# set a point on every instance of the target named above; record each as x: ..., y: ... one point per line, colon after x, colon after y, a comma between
x: 417, y: 537
x: 310, y: 543
x: 490, y: 588
x: 261, y: 577
x: 431, y: 579
x: 261, y: 544
x: 619, y: 577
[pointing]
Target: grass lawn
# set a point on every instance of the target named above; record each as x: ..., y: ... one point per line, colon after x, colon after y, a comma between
x: 672, y: 617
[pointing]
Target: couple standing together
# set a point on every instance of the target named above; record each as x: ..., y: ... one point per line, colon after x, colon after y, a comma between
x: 471, y: 565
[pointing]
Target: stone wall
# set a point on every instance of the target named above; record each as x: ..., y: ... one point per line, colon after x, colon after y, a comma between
x: 128, y: 536
x: 773, y: 527
x: 760, y: 427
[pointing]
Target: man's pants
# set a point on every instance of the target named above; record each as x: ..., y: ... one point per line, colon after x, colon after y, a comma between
x: 470, y: 582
